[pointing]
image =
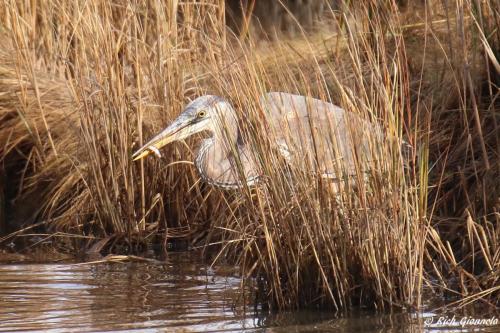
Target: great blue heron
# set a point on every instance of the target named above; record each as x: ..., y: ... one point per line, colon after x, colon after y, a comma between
x: 331, y: 141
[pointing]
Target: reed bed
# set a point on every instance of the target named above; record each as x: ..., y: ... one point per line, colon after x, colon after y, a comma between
x: 83, y: 84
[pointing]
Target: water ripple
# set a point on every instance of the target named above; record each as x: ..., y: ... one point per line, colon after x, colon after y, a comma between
x: 132, y: 296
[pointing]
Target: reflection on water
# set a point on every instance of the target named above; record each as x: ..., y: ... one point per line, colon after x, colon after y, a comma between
x: 118, y: 296
x: 181, y: 296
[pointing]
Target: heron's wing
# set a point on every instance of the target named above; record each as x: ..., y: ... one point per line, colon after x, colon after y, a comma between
x: 320, y: 134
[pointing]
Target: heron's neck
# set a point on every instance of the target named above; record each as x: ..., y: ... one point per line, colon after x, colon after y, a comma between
x: 219, y: 157
x: 225, y: 134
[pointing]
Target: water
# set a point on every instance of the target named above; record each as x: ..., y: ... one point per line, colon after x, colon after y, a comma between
x: 183, y: 295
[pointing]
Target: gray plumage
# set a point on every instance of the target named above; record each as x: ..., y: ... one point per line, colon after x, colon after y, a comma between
x: 309, y: 132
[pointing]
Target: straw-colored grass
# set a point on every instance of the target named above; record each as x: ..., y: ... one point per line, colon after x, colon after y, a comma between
x: 83, y: 84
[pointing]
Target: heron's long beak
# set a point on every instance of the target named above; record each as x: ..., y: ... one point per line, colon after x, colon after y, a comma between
x: 170, y: 134
x: 178, y: 130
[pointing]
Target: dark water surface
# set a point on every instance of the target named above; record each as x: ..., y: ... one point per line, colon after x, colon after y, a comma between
x: 180, y: 296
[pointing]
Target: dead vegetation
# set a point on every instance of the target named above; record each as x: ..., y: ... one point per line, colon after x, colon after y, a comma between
x: 84, y: 84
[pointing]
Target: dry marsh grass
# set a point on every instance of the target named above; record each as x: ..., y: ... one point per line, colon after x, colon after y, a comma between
x: 84, y: 84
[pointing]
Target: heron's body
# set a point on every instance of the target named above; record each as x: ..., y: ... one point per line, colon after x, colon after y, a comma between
x: 316, y: 134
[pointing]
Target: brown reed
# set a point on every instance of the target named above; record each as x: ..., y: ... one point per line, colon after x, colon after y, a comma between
x: 84, y: 84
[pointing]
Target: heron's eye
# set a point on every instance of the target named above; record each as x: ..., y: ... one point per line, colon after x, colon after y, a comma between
x: 202, y: 114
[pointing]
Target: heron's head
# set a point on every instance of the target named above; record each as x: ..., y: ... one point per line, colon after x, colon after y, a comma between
x: 199, y: 115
